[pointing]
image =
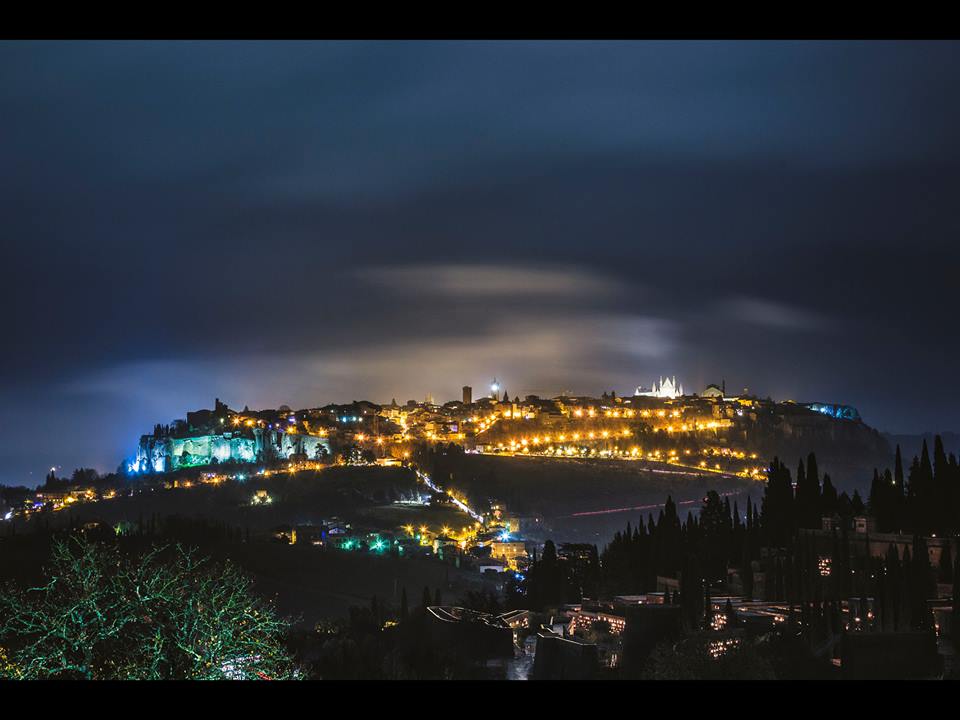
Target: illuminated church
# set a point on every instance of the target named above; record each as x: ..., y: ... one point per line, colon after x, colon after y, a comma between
x: 666, y: 388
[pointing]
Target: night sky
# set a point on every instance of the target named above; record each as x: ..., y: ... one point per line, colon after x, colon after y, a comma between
x: 303, y: 223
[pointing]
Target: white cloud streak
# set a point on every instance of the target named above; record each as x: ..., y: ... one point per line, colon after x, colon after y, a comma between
x: 498, y: 281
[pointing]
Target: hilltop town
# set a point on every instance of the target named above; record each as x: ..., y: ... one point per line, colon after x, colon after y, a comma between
x: 709, y: 432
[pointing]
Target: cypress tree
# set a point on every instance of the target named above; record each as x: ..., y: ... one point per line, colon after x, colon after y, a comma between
x: 942, y: 488
x: 881, y: 598
x: 746, y: 572
x: 954, y: 503
x: 905, y: 599
x: 777, y: 514
x: 922, y: 492
x: 923, y: 585
x: 893, y: 580
x: 891, y: 504
x: 956, y: 596
x: 707, y: 604
x: 898, y: 494
x: 828, y: 498
x: 730, y: 614
x: 856, y: 504
x: 898, y: 471
x: 875, y: 499
x: 808, y: 493
x: 801, y: 490
x: 945, y: 566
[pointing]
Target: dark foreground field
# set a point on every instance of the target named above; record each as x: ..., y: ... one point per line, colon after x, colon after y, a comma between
x: 575, y: 497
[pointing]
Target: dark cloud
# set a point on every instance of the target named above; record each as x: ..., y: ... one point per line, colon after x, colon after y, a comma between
x: 302, y: 222
x: 774, y: 315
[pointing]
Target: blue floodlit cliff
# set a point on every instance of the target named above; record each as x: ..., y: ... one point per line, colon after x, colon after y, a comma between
x: 165, y: 454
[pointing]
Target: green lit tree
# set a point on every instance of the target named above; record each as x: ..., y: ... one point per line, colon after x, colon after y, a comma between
x: 165, y: 615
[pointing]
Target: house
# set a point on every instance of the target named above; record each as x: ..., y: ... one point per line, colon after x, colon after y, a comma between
x: 492, y: 565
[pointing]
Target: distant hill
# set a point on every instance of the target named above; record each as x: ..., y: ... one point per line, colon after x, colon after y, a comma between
x: 910, y: 445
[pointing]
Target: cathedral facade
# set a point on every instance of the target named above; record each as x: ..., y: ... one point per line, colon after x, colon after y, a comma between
x: 667, y: 388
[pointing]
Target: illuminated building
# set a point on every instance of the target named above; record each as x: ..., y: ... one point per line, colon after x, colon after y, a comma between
x: 492, y: 565
x: 511, y: 524
x: 712, y: 391
x: 441, y: 542
x: 219, y: 436
x: 261, y: 497
x: 585, y: 619
x: 509, y: 551
x: 667, y: 389
x: 395, y: 413
x: 840, y: 412
x: 516, y: 619
x: 824, y: 566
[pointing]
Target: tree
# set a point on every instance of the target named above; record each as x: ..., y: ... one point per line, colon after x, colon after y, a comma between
x: 84, y: 476
x: 777, y: 517
x: 165, y: 615
x: 956, y: 594
x: 921, y: 493
x: 731, y: 615
x: 808, y: 494
x: 693, y: 594
x: 888, y: 516
x: 945, y: 566
x: 892, y: 579
x: 692, y: 659
x: 942, y: 488
x: 546, y: 579
x: 898, y: 488
x: 828, y: 498
x: 856, y: 504
x: 714, y: 524
x: 923, y: 585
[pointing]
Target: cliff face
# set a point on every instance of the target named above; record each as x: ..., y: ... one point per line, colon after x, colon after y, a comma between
x: 847, y: 449
x: 165, y: 454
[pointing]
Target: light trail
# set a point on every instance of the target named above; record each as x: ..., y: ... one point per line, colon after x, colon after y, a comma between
x: 654, y: 506
x: 461, y: 505
x: 690, y: 469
